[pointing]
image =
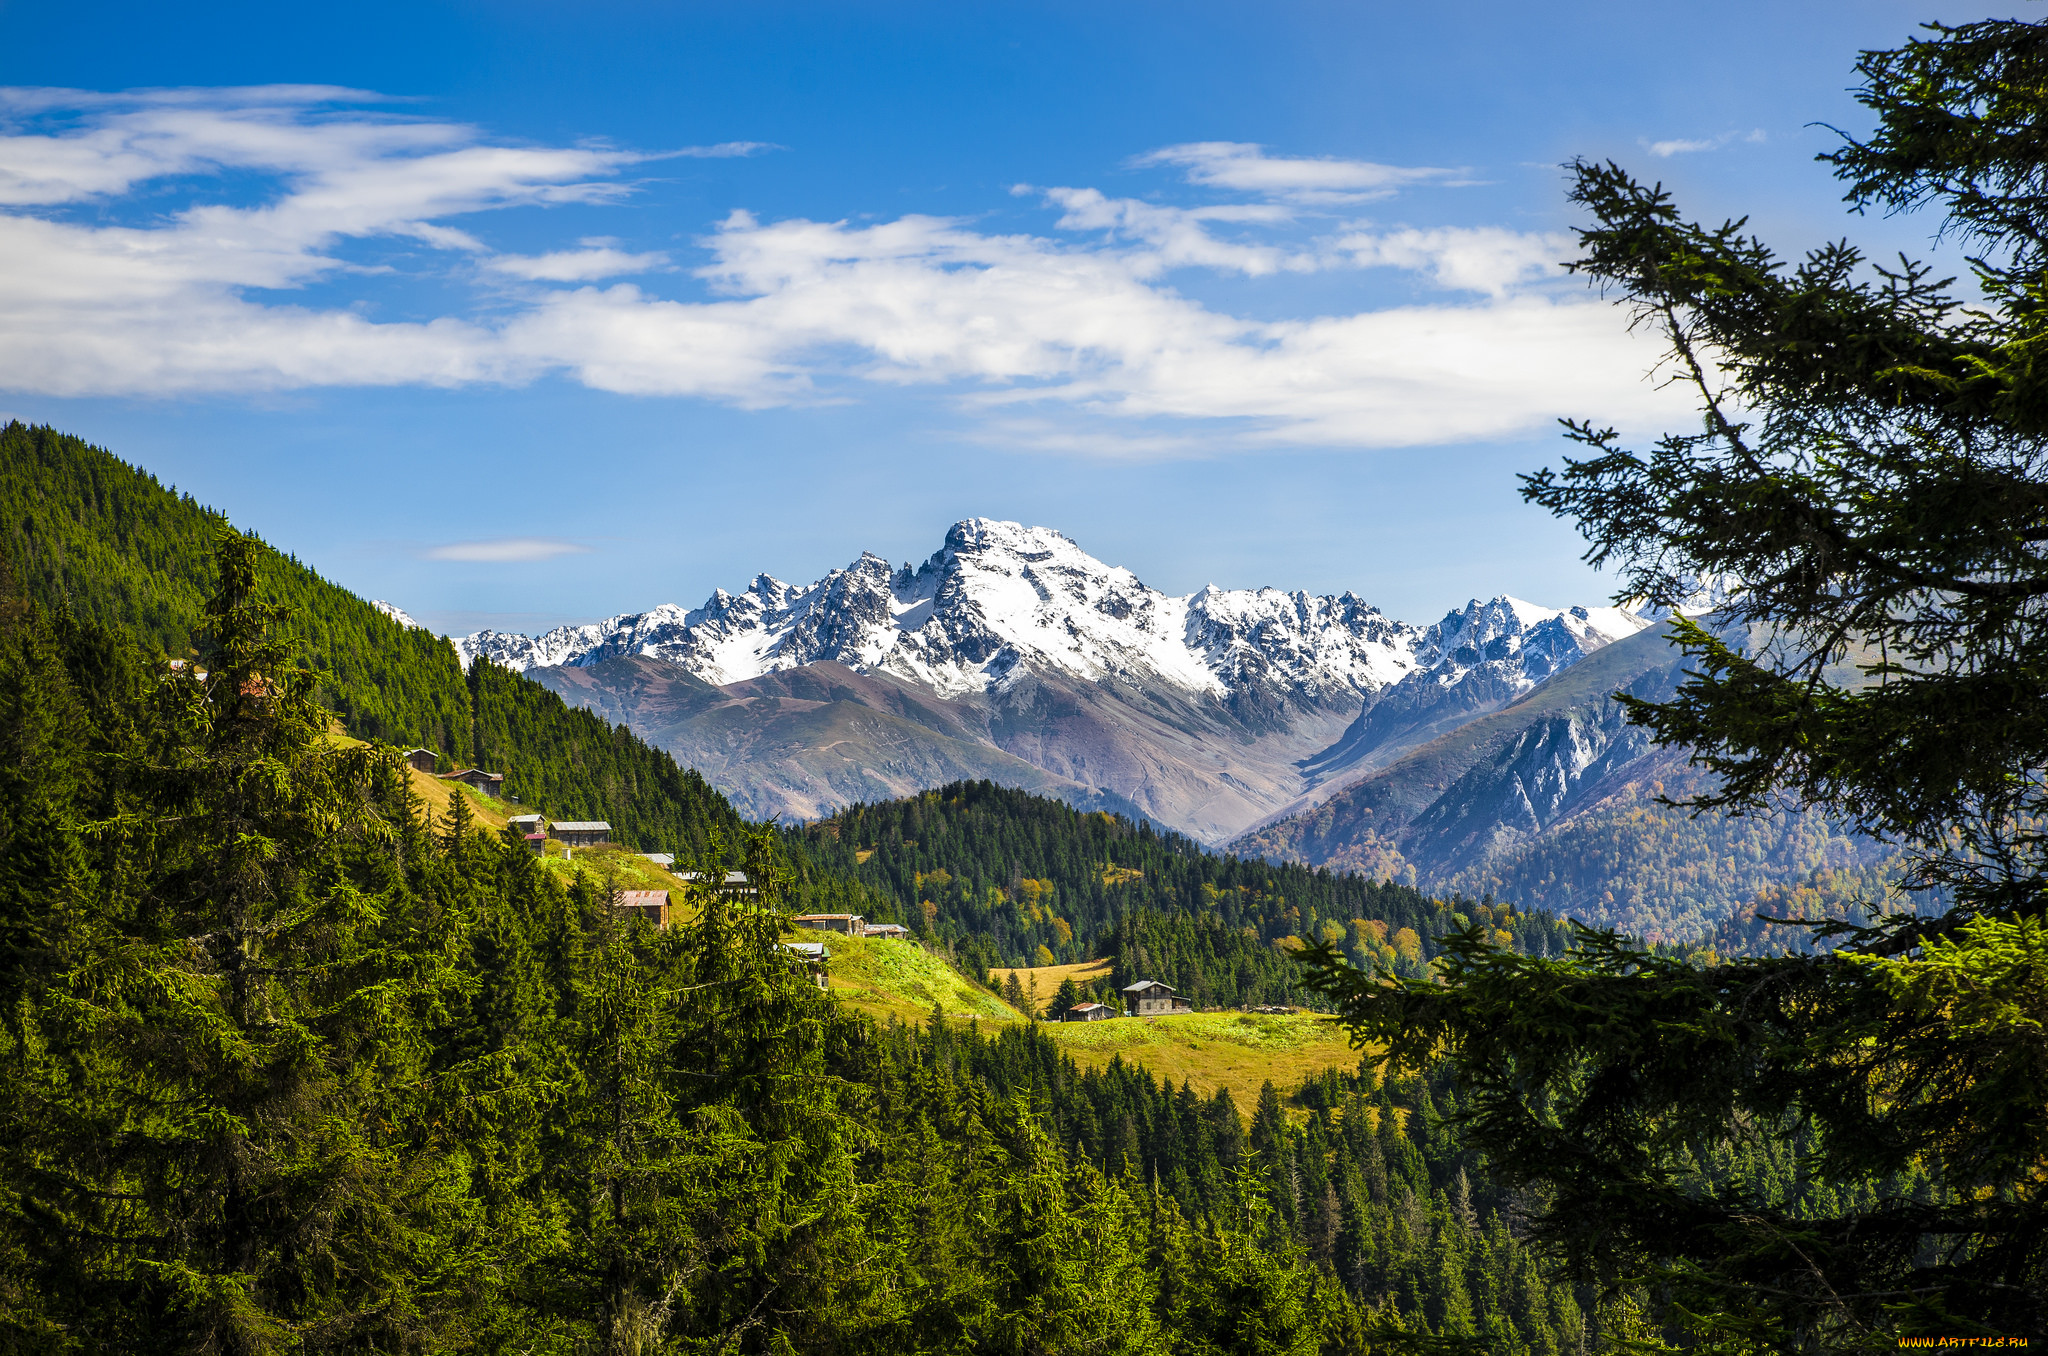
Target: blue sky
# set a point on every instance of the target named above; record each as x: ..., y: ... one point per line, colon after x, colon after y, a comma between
x: 516, y: 314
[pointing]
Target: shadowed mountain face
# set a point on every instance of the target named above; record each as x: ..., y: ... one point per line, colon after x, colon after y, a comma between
x: 1553, y: 801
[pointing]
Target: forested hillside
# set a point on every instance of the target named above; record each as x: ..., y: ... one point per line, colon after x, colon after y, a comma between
x: 290, y: 1069
x: 103, y: 539
x: 92, y: 533
x: 1005, y: 877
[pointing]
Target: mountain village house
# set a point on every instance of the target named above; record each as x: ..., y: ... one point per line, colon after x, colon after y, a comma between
x: 1150, y: 998
x: 1089, y: 1012
x: 651, y: 905
x: 476, y: 779
x: 735, y: 882
x: 851, y: 924
x: 421, y: 760
x: 532, y: 830
x: 578, y: 833
x: 809, y: 957
x: 896, y: 930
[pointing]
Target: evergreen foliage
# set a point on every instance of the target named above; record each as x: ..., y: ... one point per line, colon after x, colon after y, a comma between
x: 103, y: 541
x: 99, y: 537
x: 997, y: 874
x: 1888, y: 494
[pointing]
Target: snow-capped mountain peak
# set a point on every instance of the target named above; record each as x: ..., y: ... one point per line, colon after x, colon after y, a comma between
x: 999, y: 599
x: 1525, y: 642
x: 393, y: 611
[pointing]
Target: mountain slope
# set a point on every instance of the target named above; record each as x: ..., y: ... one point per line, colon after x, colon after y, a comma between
x: 998, y: 874
x: 799, y: 743
x: 1552, y: 802
x: 92, y: 533
x: 88, y: 532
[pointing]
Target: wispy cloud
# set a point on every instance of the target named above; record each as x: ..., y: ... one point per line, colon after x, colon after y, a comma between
x: 1245, y: 166
x: 584, y: 265
x: 1685, y: 145
x: 1486, y: 259
x: 726, y: 150
x: 1072, y: 337
x: 506, y: 550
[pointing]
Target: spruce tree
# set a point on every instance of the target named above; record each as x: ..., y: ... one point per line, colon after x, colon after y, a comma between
x: 1870, y: 479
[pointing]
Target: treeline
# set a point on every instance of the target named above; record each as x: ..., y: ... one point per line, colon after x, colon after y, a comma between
x: 1003, y: 877
x: 88, y: 532
x: 289, y: 1069
x: 106, y: 542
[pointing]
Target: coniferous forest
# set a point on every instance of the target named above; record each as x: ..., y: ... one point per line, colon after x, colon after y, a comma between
x: 1007, y: 878
x: 291, y: 1068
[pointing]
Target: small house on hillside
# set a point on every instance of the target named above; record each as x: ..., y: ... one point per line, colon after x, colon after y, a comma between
x: 665, y: 860
x: 810, y: 957
x: 577, y: 833
x: 734, y: 882
x: 887, y: 930
x: 852, y: 924
x: 531, y: 830
x: 476, y: 779
x: 1150, y: 998
x: 651, y: 905
x: 1089, y: 1012
x: 421, y: 760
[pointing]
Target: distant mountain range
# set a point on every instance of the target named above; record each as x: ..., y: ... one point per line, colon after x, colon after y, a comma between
x: 1013, y: 654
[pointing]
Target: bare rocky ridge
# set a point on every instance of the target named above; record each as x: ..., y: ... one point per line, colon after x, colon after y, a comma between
x: 1013, y: 654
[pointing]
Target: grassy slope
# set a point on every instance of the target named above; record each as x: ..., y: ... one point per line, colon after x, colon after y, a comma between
x: 1049, y: 977
x: 886, y: 977
x: 1211, y: 1050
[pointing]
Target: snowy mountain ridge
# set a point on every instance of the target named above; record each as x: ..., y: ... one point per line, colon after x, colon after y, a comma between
x: 999, y: 598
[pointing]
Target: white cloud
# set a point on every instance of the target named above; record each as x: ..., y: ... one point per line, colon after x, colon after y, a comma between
x: 506, y: 550
x: 725, y: 150
x: 1070, y: 340
x: 585, y: 265
x: 1179, y: 237
x: 1684, y: 145
x: 1245, y: 166
x: 1485, y: 259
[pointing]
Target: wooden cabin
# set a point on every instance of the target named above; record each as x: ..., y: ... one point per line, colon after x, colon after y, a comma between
x: 852, y: 924
x: 651, y: 905
x: 420, y: 760
x: 577, y: 833
x: 1150, y: 998
x: 476, y: 779
x: 811, y: 958
x: 887, y: 930
x: 1089, y: 1012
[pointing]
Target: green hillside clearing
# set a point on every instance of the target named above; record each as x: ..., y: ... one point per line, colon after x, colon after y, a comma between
x: 888, y: 977
x: 1240, y: 1051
